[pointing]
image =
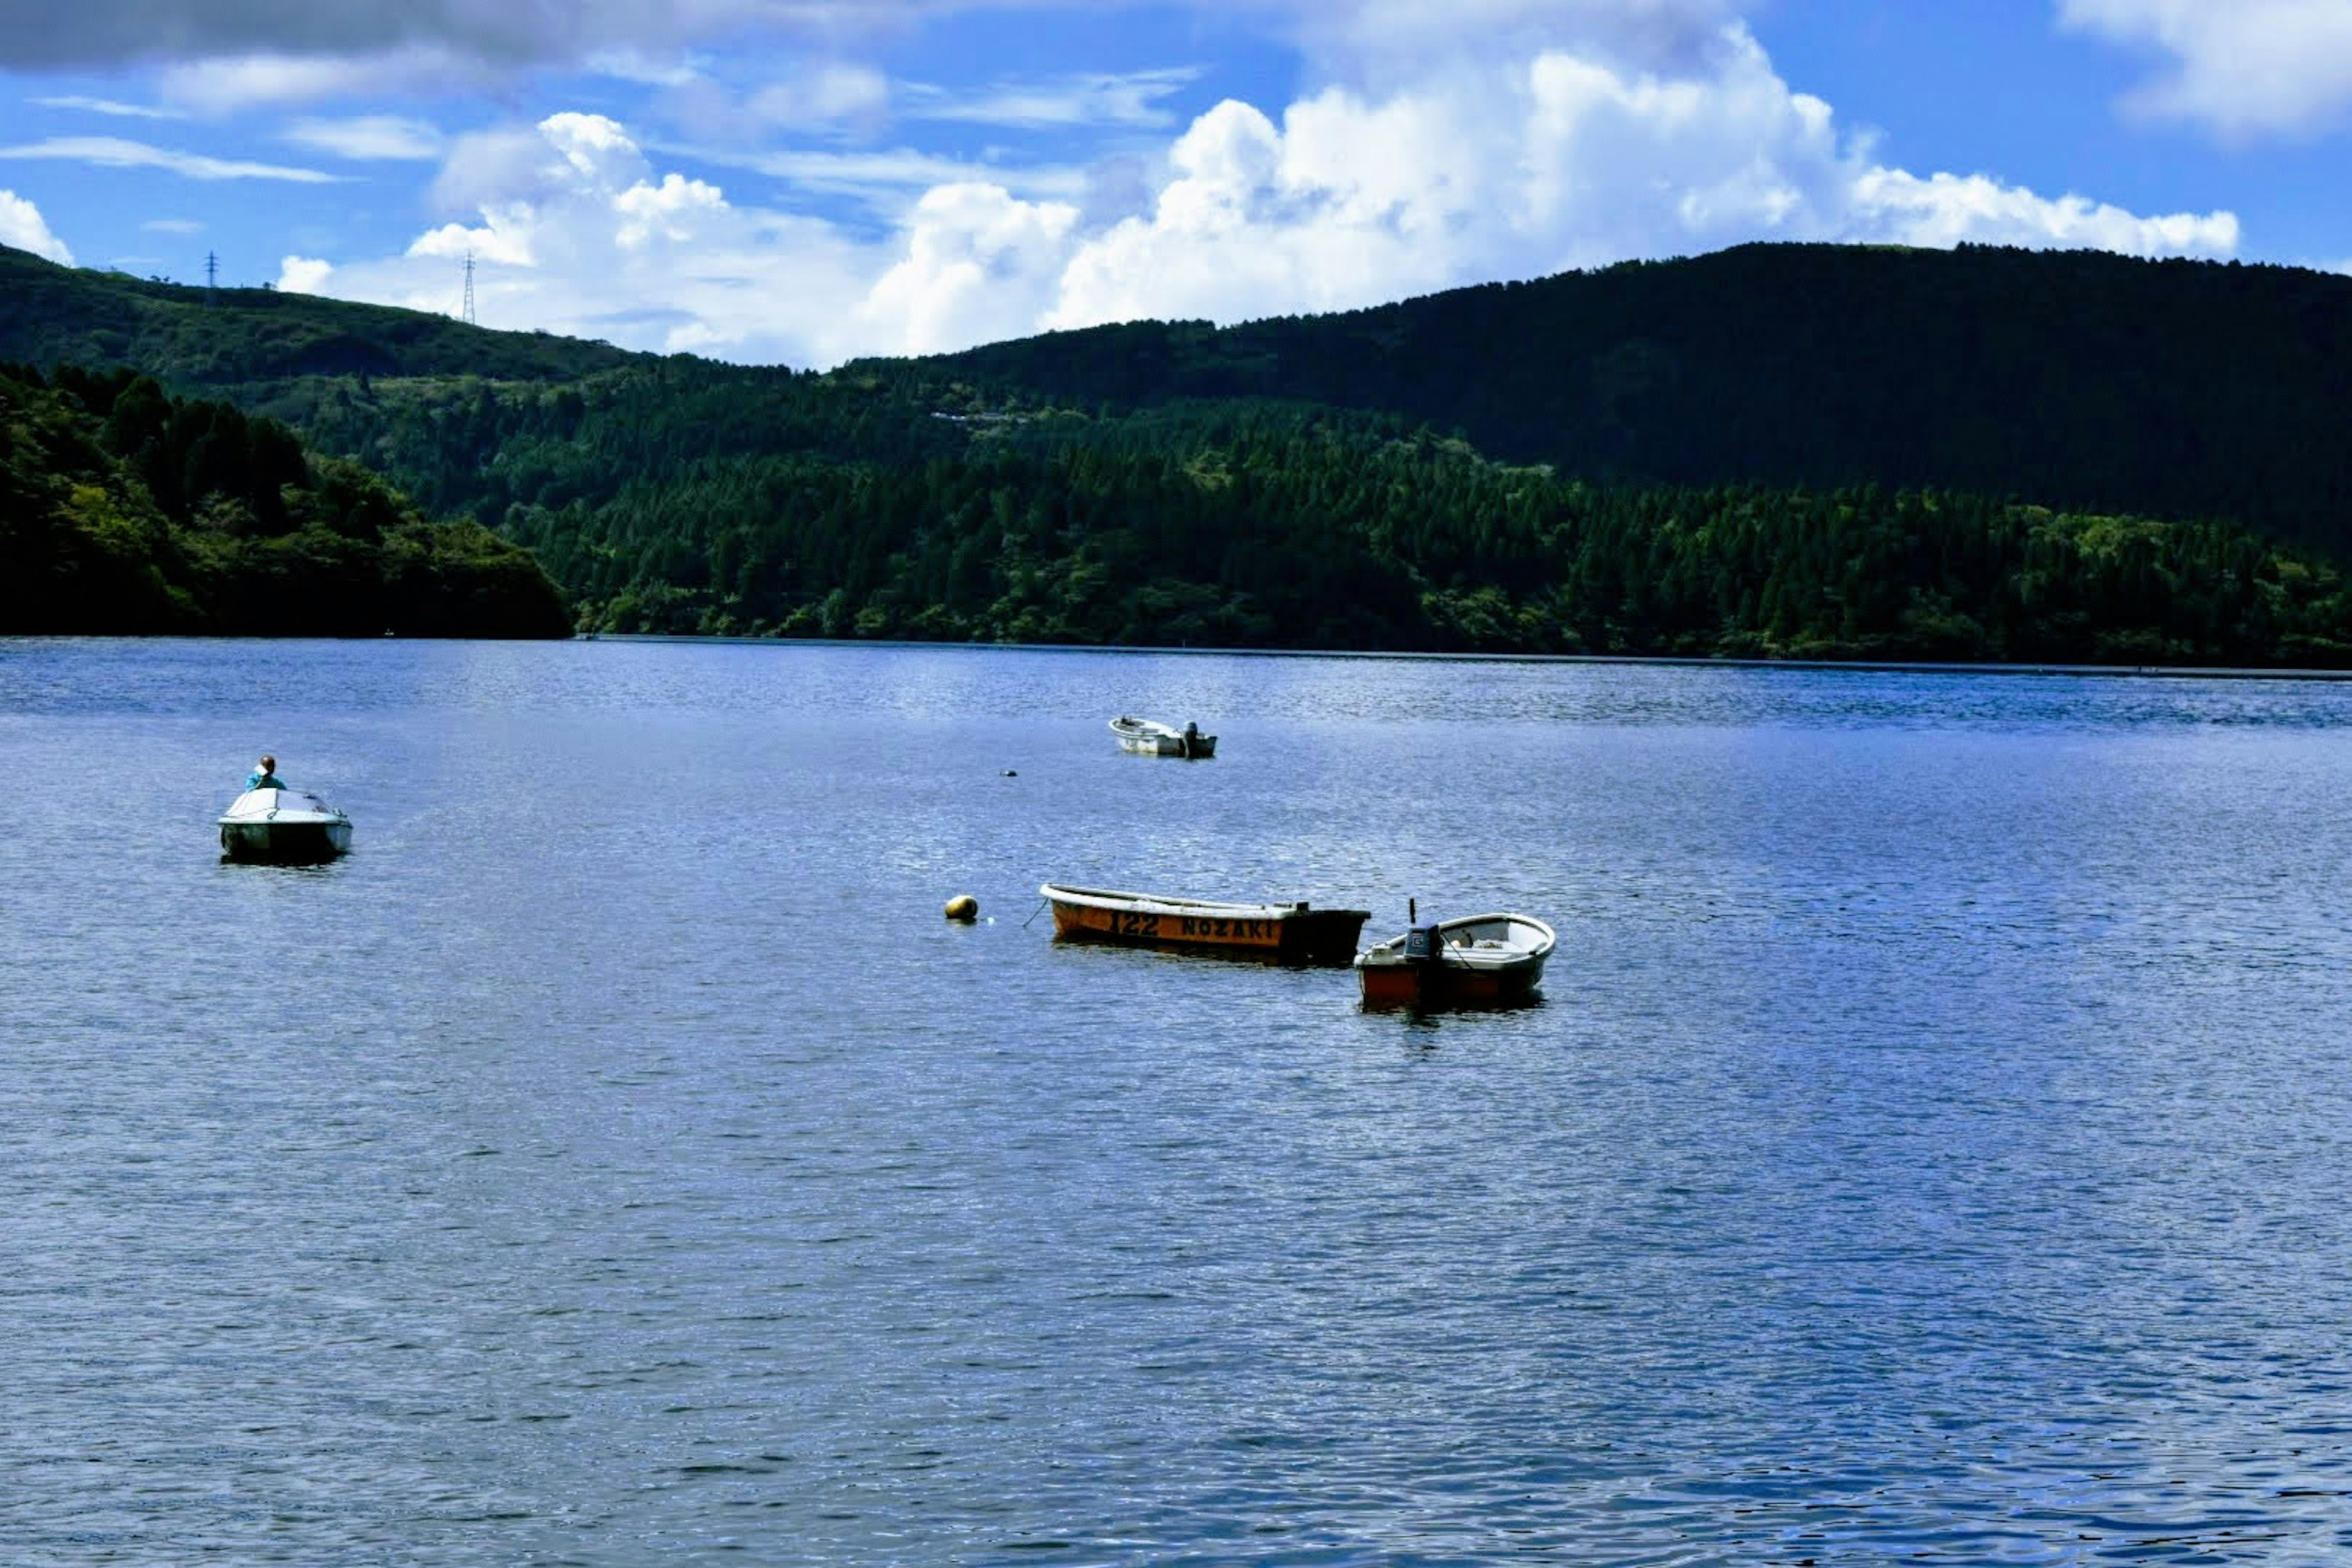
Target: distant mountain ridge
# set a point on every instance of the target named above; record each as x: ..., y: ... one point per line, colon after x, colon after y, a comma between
x: 2176, y: 388
x: 2179, y: 388
x: 1779, y: 450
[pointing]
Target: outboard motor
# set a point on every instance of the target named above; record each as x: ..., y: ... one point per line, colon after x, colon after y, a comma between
x: 1191, y: 738
x: 1423, y: 945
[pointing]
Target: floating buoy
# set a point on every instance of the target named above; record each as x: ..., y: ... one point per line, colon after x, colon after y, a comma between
x: 963, y: 906
x: 1011, y: 774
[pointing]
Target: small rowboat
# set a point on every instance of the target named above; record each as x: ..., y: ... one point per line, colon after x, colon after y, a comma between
x: 1290, y: 933
x: 283, y: 824
x: 1151, y: 739
x: 1481, y: 961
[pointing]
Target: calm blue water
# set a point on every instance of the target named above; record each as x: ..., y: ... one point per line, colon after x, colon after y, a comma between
x: 1932, y: 1146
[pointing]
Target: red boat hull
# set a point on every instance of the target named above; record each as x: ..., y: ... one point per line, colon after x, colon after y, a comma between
x: 1430, y: 985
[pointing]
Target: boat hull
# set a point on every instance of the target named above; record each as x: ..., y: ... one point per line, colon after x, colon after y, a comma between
x: 285, y: 842
x: 1479, y: 961
x: 1430, y: 986
x: 1272, y: 932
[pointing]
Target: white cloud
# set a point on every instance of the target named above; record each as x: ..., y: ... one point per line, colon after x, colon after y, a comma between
x: 2245, y: 67
x: 573, y: 230
x: 21, y: 227
x: 1946, y: 209
x: 172, y: 225
x: 368, y: 138
x: 228, y: 84
x: 629, y: 63
x: 1136, y: 99
x: 974, y: 257
x: 109, y: 106
x: 1562, y: 163
x: 1479, y: 168
x: 827, y: 95
x: 303, y: 275
x: 894, y: 180
x: 115, y: 153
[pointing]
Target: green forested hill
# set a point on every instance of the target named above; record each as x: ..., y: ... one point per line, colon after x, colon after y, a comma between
x: 195, y: 337
x: 1778, y: 451
x: 124, y: 510
x: 2177, y: 389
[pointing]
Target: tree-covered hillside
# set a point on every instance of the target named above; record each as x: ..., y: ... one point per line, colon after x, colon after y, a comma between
x: 1778, y: 451
x: 123, y: 510
x: 850, y: 509
x: 192, y: 338
x: 2175, y: 388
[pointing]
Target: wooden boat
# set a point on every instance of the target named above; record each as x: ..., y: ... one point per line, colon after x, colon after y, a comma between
x: 283, y: 824
x: 1478, y: 961
x: 1149, y: 738
x: 1289, y: 933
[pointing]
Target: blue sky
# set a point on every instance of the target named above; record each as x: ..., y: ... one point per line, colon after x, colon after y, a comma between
x: 803, y: 181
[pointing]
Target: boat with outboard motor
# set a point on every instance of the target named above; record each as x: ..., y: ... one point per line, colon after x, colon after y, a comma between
x: 283, y: 824
x: 1286, y: 933
x: 1479, y: 961
x: 1149, y: 738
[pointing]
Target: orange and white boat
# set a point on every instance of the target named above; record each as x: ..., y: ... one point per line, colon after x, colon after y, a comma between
x: 1289, y: 933
x: 1479, y: 961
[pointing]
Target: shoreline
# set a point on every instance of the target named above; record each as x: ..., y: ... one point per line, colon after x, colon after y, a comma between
x: 1880, y: 667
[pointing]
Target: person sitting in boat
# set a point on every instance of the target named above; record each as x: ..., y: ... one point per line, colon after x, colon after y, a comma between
x: 264, y: 775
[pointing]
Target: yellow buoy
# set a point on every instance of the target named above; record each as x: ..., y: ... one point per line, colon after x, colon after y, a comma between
x: 963, y: 906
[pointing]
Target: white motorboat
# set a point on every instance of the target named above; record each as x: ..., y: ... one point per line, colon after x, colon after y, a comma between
x: 1478, y: 960
x: 283, y: 824
x: 1149, y: 738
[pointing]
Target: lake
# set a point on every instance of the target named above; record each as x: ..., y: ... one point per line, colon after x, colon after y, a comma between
x: 1931, y: 1145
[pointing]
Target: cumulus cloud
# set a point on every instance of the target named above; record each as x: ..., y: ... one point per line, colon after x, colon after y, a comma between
x: 21, y: 227
x: 2244, y: 67
x: 574, y: 230
x: 1561, y: 162
x: 974, y: 257
x: 1479, y: 168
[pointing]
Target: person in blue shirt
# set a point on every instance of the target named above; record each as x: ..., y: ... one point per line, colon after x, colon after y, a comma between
x: 265, y: 774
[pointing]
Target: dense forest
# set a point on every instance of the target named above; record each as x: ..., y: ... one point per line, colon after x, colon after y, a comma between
x: 1778, y: 451
x: 2079, y: 379
x: 123, y: 510
x: 1289, y: 525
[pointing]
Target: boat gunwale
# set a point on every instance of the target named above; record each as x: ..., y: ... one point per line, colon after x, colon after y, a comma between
x: 1390, y: 952
x: 1154, y: 903
x: 281, y: 816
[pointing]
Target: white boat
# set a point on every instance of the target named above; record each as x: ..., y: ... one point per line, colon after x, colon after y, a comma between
x: 1149, y: 738
x: 1478, y: 961
x: 283, y: 824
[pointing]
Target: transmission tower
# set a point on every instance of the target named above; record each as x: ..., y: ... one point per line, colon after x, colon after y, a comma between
x: 467, y: 315
x: 211, y: 277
